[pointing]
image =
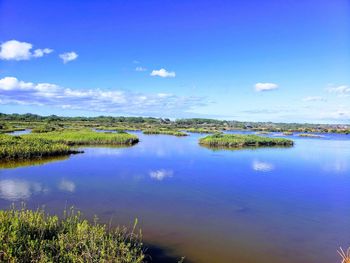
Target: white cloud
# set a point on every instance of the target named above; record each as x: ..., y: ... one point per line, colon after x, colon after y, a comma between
x: 41, y: 52
x: 342, y: 90
x: 313, y: 98
x: 14, y: 91
x: 163, y: 73
x: 265, y: 86
x: 140, y: 69
x: 16, y: 50
x: 262, y: 166
x: 161, y: 174
x: 68, y: 56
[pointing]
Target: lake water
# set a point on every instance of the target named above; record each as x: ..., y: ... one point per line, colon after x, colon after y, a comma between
x: 267, y: 205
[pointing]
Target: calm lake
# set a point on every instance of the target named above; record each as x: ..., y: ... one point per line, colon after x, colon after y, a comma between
x: 267, y: 205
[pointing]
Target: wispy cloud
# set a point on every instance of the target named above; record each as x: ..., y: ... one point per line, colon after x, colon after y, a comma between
x: 16, y: 50
x: 68, y: 56
x: 140, y: 69
x: 343, y: 90
x: 14, y: 91
x: 163, y: 73
x: 313, y: 98
x: 267, y: 86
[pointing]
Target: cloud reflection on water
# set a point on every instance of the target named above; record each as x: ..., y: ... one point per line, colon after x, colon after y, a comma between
x: 161, y: 174
x: 262, y: 166
x: 67, y: 186
x: 14, y: 190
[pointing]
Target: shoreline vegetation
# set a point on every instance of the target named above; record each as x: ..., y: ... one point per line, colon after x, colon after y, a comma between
x: 310, y: 135
x: 240, y: 141
x: 35, y: 236
x: 86, y: 137
x: 42, y: 124
x: 164, y: 132
x: 19, y: 148
x: 50, y: 144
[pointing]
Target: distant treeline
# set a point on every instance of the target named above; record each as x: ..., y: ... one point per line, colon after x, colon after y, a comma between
x: 179, y: 123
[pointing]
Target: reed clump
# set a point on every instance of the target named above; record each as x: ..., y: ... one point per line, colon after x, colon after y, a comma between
x: 240, y: 140
x: 35, y: 236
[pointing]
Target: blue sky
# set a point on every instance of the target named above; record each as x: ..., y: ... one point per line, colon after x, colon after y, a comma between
x: 252, y: 60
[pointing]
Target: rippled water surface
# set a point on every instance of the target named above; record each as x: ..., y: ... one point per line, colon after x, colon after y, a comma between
x: 258, y: 205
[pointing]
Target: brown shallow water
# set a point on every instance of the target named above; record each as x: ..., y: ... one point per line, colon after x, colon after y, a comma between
x: 258, y: 205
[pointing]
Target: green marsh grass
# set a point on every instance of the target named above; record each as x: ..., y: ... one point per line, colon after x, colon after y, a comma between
x: 86, y: 137
x: 19, y: 148
x: 166, y: 132
x: 240, y: 140
x: 35, y: 236
x: 310, y: 135
x: 202, y: 130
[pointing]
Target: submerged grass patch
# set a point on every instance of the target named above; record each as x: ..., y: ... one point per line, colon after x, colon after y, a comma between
x: 87, y: 137
x: 34, y: 236
x: 16, y: 147
x: 240, y: 140
x: 166, y: 132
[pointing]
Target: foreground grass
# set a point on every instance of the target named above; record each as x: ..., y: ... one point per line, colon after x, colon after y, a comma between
x: 86, y: 137
x: 166, y: 132
x: 240, y: 140
x: 15, y: 147
x: 34, y: 236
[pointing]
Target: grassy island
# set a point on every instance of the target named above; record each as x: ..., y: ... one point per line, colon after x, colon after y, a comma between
x: 86, y: 137
x: 39, y: 145
x: 16, y: 147
x: 34, y: 236
x: 166, y: 132
x: 310, y: 135
x: 240, y: 140
x: 201, y: 130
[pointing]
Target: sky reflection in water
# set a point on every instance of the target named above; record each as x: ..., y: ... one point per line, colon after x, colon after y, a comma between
x: 256, y: 205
